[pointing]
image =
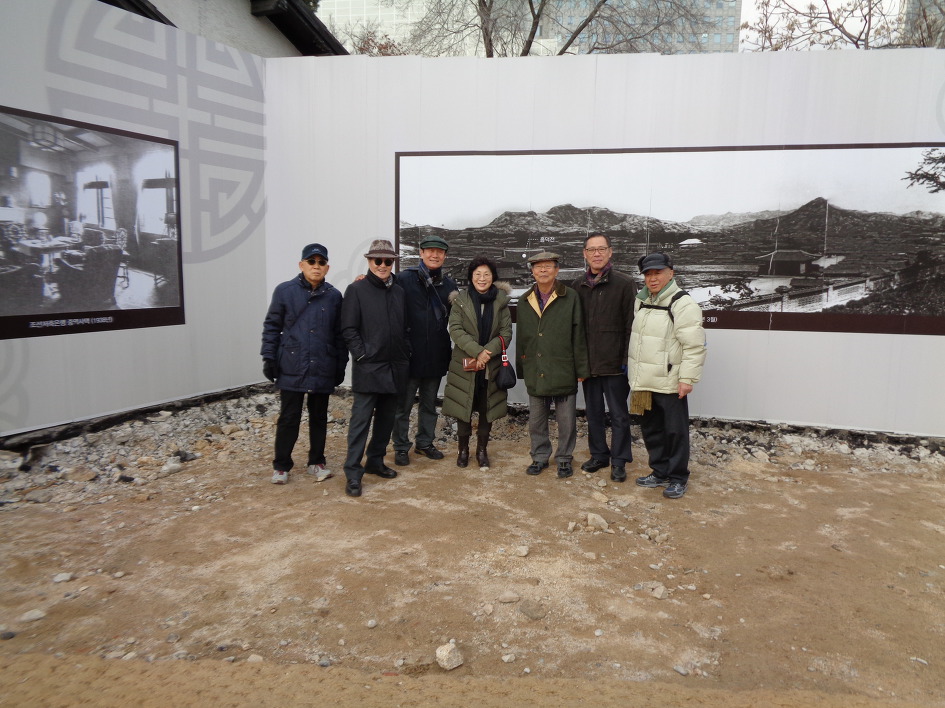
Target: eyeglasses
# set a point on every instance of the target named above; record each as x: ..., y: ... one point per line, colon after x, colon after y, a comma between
x: 597, y: 249
x: 384, y: 261
x: 316, y: 261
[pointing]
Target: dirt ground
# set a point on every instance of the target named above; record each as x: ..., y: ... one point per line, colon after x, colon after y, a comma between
x: 766, y: 585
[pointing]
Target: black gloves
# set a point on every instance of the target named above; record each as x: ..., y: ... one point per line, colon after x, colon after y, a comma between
x: 269, y: 370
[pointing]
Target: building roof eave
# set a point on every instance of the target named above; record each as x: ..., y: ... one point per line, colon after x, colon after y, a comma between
x: 296, y: 21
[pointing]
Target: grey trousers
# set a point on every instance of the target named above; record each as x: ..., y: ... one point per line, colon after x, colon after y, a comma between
x: 538, y: 410
x: 368, y: 407
x: 426, y: 414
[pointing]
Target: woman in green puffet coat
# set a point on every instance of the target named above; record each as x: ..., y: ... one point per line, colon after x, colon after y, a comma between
x: 479, y: 316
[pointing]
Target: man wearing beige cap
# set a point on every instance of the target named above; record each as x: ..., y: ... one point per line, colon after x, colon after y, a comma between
x: 552, y: 358
x: 374, y: 327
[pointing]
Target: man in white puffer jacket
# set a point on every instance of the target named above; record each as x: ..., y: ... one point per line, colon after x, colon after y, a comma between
x: 667, y: 351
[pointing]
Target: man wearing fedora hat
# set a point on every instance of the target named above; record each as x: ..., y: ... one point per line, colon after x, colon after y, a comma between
x: 374, y: 326
x: 304, y: 354
x: 552, y: 358
x: 427, y: 289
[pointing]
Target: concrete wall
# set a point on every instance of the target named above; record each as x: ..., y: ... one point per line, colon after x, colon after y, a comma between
x: 229, y: 22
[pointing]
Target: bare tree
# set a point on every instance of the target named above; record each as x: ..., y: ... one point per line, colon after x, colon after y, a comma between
x: 517, y: 27
x: 828, y: 24
x: 367, y: 38
x: 930, y: 173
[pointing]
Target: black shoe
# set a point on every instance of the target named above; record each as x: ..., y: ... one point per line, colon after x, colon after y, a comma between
x: 675, y: 490
x: 564, y: 470
x: 353, y: 488
x: 430, y: 452
x: 651, y: 480
x: 401, y: 458
x: 593, y: 464
x: 536, y: 468
x: 618, y: 473
x: 383, y: 471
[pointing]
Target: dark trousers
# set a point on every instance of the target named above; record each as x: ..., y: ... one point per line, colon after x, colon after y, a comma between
x: 614, y: 390
x: 287, y: 427
x: 426, y: 414
x: 480, y: 406
x: 665, y: 429
x: 380, y: 408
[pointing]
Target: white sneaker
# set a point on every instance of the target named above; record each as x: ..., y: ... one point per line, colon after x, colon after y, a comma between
x: 321, y: 472
x: 280, y: 476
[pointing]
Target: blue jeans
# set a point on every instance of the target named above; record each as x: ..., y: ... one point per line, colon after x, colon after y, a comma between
x: 426, y: 414
x: 614, y: 390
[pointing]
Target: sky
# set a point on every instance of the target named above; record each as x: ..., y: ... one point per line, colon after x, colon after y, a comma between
x: 471, y: 190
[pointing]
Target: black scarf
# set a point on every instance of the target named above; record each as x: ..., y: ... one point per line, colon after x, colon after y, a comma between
x: 484, y: 311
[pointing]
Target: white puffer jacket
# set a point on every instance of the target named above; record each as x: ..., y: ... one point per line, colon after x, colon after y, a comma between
x: 664, y: 350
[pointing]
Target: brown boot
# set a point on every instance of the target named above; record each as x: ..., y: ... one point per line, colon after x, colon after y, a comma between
x: 462, y: 459
x: 482, y: 456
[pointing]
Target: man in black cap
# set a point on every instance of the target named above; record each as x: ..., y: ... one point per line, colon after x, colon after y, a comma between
x: 607, y: 296
x: 552, y: 358
x: 427, y: 289
x: 667, y: 351
x: 374, y: 327
x: 303, y: 353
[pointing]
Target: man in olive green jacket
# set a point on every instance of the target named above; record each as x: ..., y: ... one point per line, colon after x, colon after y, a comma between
x: 552, y: 358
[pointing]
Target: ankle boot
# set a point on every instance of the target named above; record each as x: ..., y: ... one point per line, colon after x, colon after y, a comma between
x: 482, y: 456
x: 462, y: 459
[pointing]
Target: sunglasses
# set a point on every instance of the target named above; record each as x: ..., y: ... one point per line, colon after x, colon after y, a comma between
x: 316, y: 261
x: 384, y: 261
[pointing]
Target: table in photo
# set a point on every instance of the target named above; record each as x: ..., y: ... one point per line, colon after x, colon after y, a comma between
x: 45, y: 249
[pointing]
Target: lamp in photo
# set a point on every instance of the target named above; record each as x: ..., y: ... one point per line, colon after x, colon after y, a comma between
x: 46, y: 137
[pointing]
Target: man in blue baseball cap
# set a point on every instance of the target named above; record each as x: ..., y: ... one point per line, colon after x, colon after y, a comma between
x: 304, y: 353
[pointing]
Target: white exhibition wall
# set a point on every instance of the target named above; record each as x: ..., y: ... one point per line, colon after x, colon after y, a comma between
x: 84, y: 61
x: 334, y: 125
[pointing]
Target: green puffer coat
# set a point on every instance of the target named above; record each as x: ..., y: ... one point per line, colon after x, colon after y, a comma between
x: 464, y: 331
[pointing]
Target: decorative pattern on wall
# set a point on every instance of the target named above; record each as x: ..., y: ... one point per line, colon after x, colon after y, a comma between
x: 121, y: 70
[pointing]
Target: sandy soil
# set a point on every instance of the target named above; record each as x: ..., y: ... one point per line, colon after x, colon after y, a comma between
x: 765, y: 586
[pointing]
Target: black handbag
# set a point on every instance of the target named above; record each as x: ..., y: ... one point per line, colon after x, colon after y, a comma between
x: 505, y: 378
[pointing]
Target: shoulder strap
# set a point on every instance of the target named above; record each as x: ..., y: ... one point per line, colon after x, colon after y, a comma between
x: 666, y: 308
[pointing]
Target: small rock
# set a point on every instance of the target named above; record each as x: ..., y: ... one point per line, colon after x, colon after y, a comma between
x: 254, y: 658
x: 509, y: 596
x: 571, y: 525
x: 372, y: 623
x: 681, y: 670
x: 598, y: 632
x: 597, y: 521
x: 449, y: 657
x: 324, y: 662
x: 172, y: 638
x: 63, y: 577
x: 508, y: 658
x: 591, y: 556
x: 660, y: 592
x: 7, y: 635
x: 32, y: 616
x: 521, y: 551
x: 533, y: 610
x: 600, y: 496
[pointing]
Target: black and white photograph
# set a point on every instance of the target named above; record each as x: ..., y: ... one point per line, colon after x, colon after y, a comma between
x: 819, y: 238
x: 89, y: 236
